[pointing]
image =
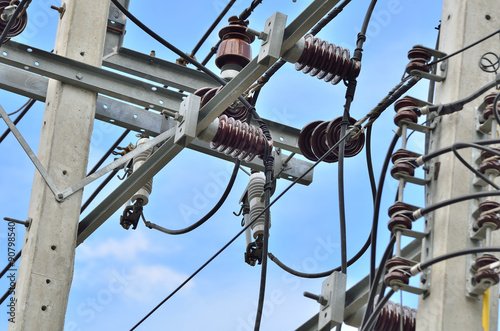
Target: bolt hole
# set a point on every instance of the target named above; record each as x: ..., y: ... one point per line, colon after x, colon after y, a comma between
x: 160, y: 102
x: 152, y: 106
x: 142, y: 130
x: 44, y: 308
x: 449, y: 16
x: 82, y: 53
x: 26, y: 68
x: 47, y: 281
x: 488, y: 17
x: 135, y: 116
x: 154, y: 89
x: 29, y: 50
x: 5, y: 53
x: 282, y: 139
x: 64, y: 172
x: 105, y: 106
x: 53, y: 247
x: 37, y: 63
x: 112, y: 121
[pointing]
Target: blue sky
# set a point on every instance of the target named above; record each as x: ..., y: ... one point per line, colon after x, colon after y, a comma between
x: 121, y: 275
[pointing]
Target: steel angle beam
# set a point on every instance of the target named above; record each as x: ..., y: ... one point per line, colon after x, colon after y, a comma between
x: 126, y: 115
x: 116, y: 28
x: 89, y: 77
x: 357, y: 296
x: 158, y: 70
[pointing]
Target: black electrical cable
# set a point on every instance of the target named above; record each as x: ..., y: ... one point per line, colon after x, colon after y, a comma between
x: 465, y: 48
x: 376, y: 312
x: 442, y: 151
x: 471, y: 168
x: 269, y: 164
x: 458, y: 105
x: 376, y: 279
x: 6, y: 295
x: 475, y: 250
x: 376, y: 210
x: 212, y: 27
x: 329, y: 17
x: 10, y: 264
x: 325, y: 273
x: 244, y: 229
x: 207, y: 216
x: 98, y: 190
x: 341, y: 192
x: 431, y: 208
x: 12, y: 20
x: 212, y: 52
x: 20, y: 108
x: 109, y: 151
x: 369, y: 163
x: 27, y: 107
x: 248, y: 11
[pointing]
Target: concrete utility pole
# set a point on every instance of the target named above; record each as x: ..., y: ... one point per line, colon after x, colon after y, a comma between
x: 47, y: 262
x: 447, y: 307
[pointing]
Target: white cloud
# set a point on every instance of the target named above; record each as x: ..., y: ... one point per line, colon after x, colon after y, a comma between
x: 125, y: 249
x: 150, y: 280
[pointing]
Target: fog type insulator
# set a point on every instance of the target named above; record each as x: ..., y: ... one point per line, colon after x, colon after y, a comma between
x: 397, y: 272
x: 390, y: 318
x: 402, y: 163
x: 139, y: 160
x: 401, y: 216
x: 405, y: 110
x: 488, y: 273
x: 317, y: 137
x: 418, y: 57
x: 487, y: 216
x: 234, y: 51
x: 240, y: 139
x: 488, y: 101
x: 257, y: 203
x: 237, y: 112
x: 6, y: 11
x: 327, y: 61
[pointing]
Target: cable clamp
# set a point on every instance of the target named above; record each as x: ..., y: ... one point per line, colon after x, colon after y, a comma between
x: 417, y: 214
x: 416, y: 269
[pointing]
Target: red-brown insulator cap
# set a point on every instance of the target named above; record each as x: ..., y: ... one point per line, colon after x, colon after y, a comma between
x: 235, y: 46
x: 396, y: 276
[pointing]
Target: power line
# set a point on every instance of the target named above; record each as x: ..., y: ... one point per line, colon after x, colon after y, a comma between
x: 27, y: 106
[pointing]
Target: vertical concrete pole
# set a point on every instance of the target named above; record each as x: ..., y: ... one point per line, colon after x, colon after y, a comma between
x: 447, y: 307
x: 47, y: 262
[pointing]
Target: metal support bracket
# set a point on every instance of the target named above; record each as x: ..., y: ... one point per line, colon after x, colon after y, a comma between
x: 443, y: 67
x: 333, y: 290
x: 270, y: 49
x: 41, y: 169
x: 185, y: 131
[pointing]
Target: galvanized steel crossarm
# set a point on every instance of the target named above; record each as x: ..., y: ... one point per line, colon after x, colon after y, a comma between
x: 90, y: 77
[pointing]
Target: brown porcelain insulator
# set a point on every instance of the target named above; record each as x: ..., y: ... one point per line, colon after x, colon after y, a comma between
x: 207, y: 93
x: 19, y: 23
x: 488, y: 101
x: 490, y: 166
x: 401, y: 216
x: 393, y: 277
x: 327, y: 61
x: 487, y: 154
x: 235, y: 46
x: 304, y: 141
x: 333, y: 134
x: 390, y: 318
x: 418, y: 57
x: 483, y: 261
x: 405, y: 110
x: 488, y: 218
x: 401, y: 166
x: 319, y: 143
x: 239, y: 139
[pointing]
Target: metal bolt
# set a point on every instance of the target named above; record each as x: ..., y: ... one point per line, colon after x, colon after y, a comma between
x: 61, y: 9
x: 320, y: 299
x: 25, y: 223
x: 79, y: 76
